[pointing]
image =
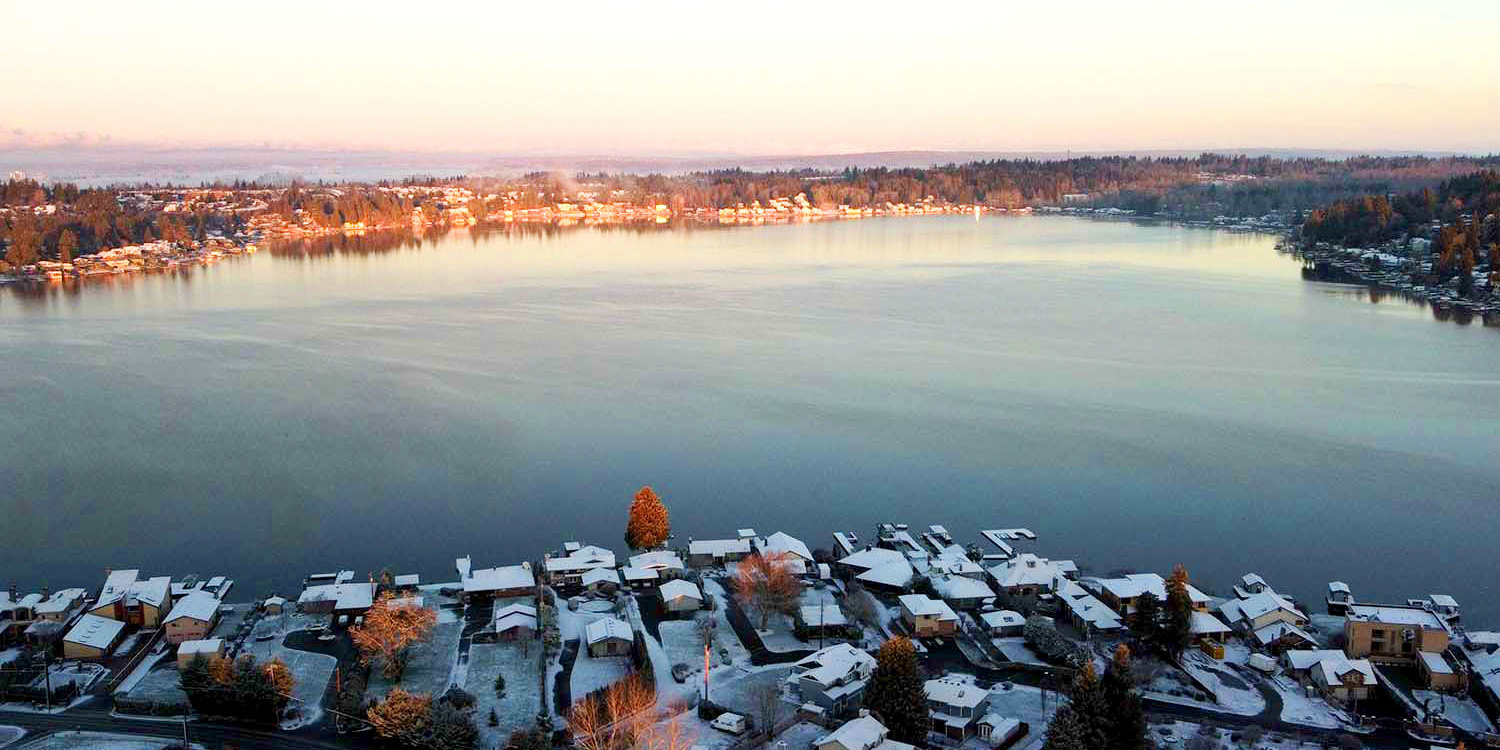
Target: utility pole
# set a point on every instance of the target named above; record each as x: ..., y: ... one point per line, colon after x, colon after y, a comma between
x: 705, y: 673
x: 47, y: 675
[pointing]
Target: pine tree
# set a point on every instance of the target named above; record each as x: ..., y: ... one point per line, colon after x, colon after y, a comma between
x: 1127, y: 719
x: 1146, y: 617
x: 896, y: 694
x: 1177, y: 628
x: 648, y: 525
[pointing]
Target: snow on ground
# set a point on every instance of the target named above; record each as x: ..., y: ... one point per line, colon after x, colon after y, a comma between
x: 1016, y: 650
x: 310, y: 672
x: 1175, y: 735
x: 428, y: 668
x: 1024, y: 702
x: 95, y: 741
x: 1232, y: 692
x: 734, y: 688
x: 163, y: 685
x: 1300, y: 707
x: 449, y: 608
x: 129, y: 644
x: 1462, y: 711
x: 10, y: 734
x: 725, y: 638
x: 519, y: 706
x: 9, y: 655
x: 139, y: 673
x: 591, y: 673
x: 683, y: 643
x: 1324, y: 628
x: 81, y: 674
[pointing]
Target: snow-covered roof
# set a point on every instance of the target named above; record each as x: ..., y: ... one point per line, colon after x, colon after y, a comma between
x: 1206, y: 624
x: 60, y: 601
x: 409, y: 579
x: 1026, y: 569
x: 515, y: 616
x: 607, y: 628
x: 1442, y: 600
x: 1435, y: 662
x: 678, y: 588
x: 504, y: 578
x: 960, y: 587
x: 1278, y: 630
x: 343, y: 595
x: 1394, y: 615
x: 1338, y: 587
x: 658, y: 560
x: 581, y: 559
x: 1265, y: 602
x: 1334, y: 669
x: 95, y: 632
x: 205, y: 646
x: 784, y: 543
x: 1086, y: 607
x: 863, y: 733
x: 275, y: 601
x: 1136, y: 584
x: 1301, y: 659
x: 603, y: 575
x: 199, y: 605
x: 815, y: 615
x: 1002, y: 619
x: 924, y: 606
x: 639, y: 574
x: 719, y: 547
x: 1252, y: 579
x: 123, y: 585
x: 869, y: 559
x: 957, y: 693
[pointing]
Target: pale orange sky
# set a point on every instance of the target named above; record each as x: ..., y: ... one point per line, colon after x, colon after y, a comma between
x: 762, y: 77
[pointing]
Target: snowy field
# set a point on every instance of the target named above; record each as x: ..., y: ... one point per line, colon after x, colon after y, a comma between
x: 1015, y: 649
x: 591, y: 673
x: 1462, y: 711
x: 81, y: 674
x: 724, y: 638
x: 522, y: 701
x: 1300, y: 707
x: 163, y: 685
x: 684, y: 645
x: 428, y: 669
x: 310, y: 672
x: 1232, y: 692
x: 94, y: 741
x: 1177, y: 734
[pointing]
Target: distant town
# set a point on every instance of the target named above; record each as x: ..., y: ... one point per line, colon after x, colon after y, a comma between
x: 912, y: 636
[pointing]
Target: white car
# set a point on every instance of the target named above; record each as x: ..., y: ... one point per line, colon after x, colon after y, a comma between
x: 731, y: 723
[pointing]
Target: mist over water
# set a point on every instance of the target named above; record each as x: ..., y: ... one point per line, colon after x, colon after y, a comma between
x: 1138, y: 395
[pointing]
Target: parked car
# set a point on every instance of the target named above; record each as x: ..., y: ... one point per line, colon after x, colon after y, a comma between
x: 731, y: 723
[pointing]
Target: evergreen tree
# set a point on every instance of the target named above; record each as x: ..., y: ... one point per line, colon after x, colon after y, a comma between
x: 896, y: 694
x: 1177, y: 626
x: 1127, y: 718
x: 1147, y: 617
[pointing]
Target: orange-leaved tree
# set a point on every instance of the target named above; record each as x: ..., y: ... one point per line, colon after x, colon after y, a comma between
x: 648, y: 525
x: 766, y: 585
x: 402, y: 717
x: 390, y: 628
x: 615, y: 718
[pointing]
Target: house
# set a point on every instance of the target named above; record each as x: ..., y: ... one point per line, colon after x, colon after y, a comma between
x: 1085, y: 611
x: 1392, y: 634
x: 666, y: 565
x: 1002, y: 623
x: 133, y: 601
x: 955, y: 706
x: 927, y: 617
x: 20, y: 613
x: 514, y: 622
x: 1440, y: 674
x: 338, y: 599
x: 1206, y: 627
x: 961, y: 592
x: 680, y: 596
x: 568, y: 568
x: 1122, y: 593
x: 1261, y: 609
x: 1029, y: 575
x: 601, y: 581
x: 510, y: 580
x: 793, y: 553
x: 407, y: 582
x: 1481, y: 652
x: 274, y: 605
x: 819, y: 617
x: 1344, y: 679
x: 192, y: 618
x: 1280, y: 636
x: 608, y: 636
x: 863, y: 733
x: 879, y: 568
x: 831, y: 683
x: 211, y: 649
x: 93, y: 637
x: 638, y: 578
x: 1250, y: 584
x: 1339, y: 597
x: 954, y: 560
x: 704, y: 553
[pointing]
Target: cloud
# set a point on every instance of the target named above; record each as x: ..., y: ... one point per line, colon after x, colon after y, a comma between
x: 21, y: 138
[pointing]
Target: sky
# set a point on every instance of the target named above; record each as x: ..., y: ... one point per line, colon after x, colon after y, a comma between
x: 753, y: 78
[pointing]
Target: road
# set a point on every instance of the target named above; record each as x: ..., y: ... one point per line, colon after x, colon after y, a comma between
x: 211, y: 735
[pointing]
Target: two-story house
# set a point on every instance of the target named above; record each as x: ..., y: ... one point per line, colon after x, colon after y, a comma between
x: 1392, y: 634
x: 955, y: 706
x: 831, y: 683
x: 928, y: 617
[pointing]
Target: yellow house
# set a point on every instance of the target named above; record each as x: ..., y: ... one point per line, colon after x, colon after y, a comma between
x: 130, y: 600
x: 93, y: 637
x: 193, y: 618
x: 1392, y: 634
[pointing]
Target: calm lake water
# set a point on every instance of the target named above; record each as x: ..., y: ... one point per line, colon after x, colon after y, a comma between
x: 1138, y: 395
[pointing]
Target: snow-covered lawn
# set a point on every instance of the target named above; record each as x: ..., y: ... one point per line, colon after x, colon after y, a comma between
x: 95, y: 741
x: 684, y: 645
x: 1298, y: 706
x: 1462, y: 711
x: 449, y: 608
x: 724, y: 637
x: 130, y: 642
x: 522, y: 701
x: 80, y: 674
x: 1024, y: 702
x: 310, y: 672
x: 428, y: 668
x: 1015, y: 649
x: 1232, y: 692
x: 162, y: 685
x: 1175, y: 735
x: 591, y: 673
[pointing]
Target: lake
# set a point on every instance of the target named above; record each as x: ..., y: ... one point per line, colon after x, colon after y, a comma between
x: 1137, y: 395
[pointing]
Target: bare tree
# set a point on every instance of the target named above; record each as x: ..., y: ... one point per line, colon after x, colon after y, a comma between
x: 766, y: 701
x: 766, y: 586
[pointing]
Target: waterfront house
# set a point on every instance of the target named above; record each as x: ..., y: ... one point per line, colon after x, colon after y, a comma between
x: 703, y: 553
x: 1392, y: 634
x: 514, y: 622
x: 1250, y: 584
x: 1122, y: 593
x: 274, y: 605
x: 1085, y: 611
x: 490, y: 583
x: 209, y: 648
x: 192, y: 618
x: 878, y: 568
x: 830, y: 683
x: 608, y: 636
x: 93, y: 637
x: 1339, y: 597
x: 1281, y: 636
x: 127, y: 598
x: 955, y: 706
x: 1027, y: 575
x: 791, y: 551
x: 961, y: 592
x: 337, y: 599
x: 862, y: 733
x: 928, y: 617
x: 1440, y: 674
x: 667, y: 565
x: 601, y: 581
x: 680, y: 596
x: 1343, y: 679
x: 567, y: 569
